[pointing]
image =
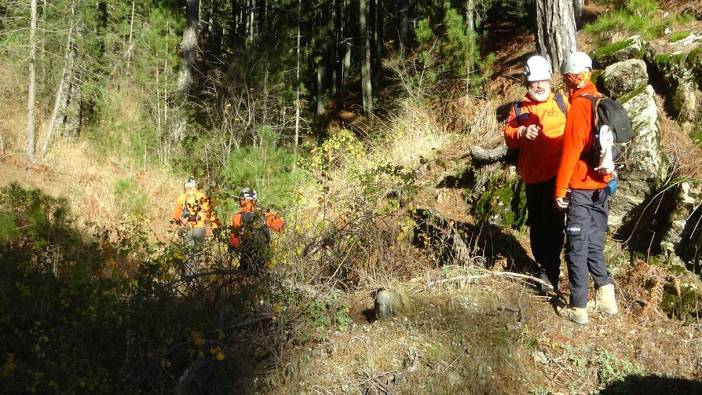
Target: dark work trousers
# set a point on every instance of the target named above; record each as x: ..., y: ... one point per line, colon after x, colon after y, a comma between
x: 586, y: 227
x: 545, y: 229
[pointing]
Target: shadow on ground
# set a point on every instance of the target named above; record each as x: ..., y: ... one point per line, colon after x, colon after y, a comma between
x: 653, y: 385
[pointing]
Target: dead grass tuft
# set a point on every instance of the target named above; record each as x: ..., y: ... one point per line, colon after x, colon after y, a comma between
x: 683, y: 154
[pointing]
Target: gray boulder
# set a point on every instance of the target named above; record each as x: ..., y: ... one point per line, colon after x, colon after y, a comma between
x: 680, y: 237
x: 679, y: 64
x: 629, y: 48
x: 645, y: 168
x: 686, y: 100
x: 623, y: 77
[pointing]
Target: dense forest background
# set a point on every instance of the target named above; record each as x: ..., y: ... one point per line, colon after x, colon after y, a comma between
x: 356, y: 120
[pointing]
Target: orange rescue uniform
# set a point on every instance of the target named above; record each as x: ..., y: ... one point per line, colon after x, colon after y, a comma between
x: 538, y: 158
x: 203, y: 213
x: 273, y: 222
x: 574, y: 171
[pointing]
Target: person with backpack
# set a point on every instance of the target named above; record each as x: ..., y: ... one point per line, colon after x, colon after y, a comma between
x: 249, y: 236
x: 535, y: 126
x: 193, y: 214
x: 582, y: 189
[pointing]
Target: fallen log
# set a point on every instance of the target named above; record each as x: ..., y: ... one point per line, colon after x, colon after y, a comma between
x: 487, y: 156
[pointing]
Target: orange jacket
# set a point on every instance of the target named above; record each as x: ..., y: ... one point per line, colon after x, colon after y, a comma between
x: 574, y: 171
x: 538, y: 158
x: 195, y: 217
x: 273, y: 221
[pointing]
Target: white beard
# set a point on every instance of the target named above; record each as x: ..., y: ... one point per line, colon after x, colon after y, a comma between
x: 540, y: 97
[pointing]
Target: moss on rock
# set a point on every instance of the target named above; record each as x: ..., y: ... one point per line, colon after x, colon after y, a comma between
x: 502, y: 200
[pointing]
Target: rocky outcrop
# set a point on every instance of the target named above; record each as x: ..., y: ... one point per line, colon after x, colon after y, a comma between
x: 629, y: 48
x: 624, y: 77
x: 679, y: 65
x: 682, y: 237
x: 645, y: 167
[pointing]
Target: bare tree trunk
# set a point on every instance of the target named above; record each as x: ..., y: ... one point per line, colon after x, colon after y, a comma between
x: 32, y: 81
x: 131, y: 33
x: 61, y: 99
x: 366, y: 78
x: 470, y: 29
x: 555, y: 30
x: 297, y: 81
x: 188, y: 49
x: 403, y: 12
x: 378, y: 39
x: 188, y: 46
x: 321, y: 77
x: 348, y: 44
x: 578, y: 6
x: 71, y: 122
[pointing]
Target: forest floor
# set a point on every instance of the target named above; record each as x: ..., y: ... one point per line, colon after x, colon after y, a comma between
x: 476, y: 331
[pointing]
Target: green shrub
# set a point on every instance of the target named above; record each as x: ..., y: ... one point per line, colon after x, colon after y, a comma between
x: 633, y: 17
x: 267, y: 167
x: 131, y: 200
x: 611, y: 369
x: 8, y: 228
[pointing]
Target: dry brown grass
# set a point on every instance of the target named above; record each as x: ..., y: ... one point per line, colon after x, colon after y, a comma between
x: 684, y: 155
x: 72, y: 169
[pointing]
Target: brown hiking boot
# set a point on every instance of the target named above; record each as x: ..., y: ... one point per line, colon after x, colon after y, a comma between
x: 605, y: 300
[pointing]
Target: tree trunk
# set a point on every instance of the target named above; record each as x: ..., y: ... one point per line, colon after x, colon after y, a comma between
x: 71, y: 121
x: 366, y: 78
x: 470, y: 29
x: 63, y: 90
x: 348, y: 43
x: 403, y: 13
x: 131, y: 34
x: 578, y: 6
x: 32, y: 81
x: 555, y: 30
x: 297, y: 81
x: 188, y: 49
x: 321, y: 78
x: 378, y: 39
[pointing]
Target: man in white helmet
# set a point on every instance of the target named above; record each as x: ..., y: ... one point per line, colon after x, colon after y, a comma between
x: 535, y: 126
x: 587, y: 206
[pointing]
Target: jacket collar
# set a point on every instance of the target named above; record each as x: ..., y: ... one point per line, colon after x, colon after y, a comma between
x: 588, y: 89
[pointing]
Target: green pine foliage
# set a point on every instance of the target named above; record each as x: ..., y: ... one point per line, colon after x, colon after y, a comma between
x: 269, y: 167
x: 634, y: 17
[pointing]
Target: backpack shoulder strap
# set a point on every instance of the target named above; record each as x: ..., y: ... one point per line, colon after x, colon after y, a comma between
x: 518, y: 111
x: 561, y: 103
x: 595, y: 100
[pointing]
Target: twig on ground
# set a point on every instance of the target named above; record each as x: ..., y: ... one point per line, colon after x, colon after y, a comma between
x: 511, y: 275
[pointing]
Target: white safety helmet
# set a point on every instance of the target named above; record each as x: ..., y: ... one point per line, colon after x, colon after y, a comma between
x: 248, y: 194
x: 537, y: 68
x: 576, y: 63
x: 190, y: 183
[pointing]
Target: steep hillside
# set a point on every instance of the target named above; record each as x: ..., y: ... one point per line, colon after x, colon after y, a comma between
x: 399, y: 204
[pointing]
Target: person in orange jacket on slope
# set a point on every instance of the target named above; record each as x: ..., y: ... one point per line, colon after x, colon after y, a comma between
x: 535, y: 126
x: 249, y: 237
x: 193, y: 213
x: 582, y: 191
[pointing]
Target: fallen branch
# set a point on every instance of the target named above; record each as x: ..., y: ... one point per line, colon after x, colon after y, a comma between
x: 515, y: 276
x: 486, y: 156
